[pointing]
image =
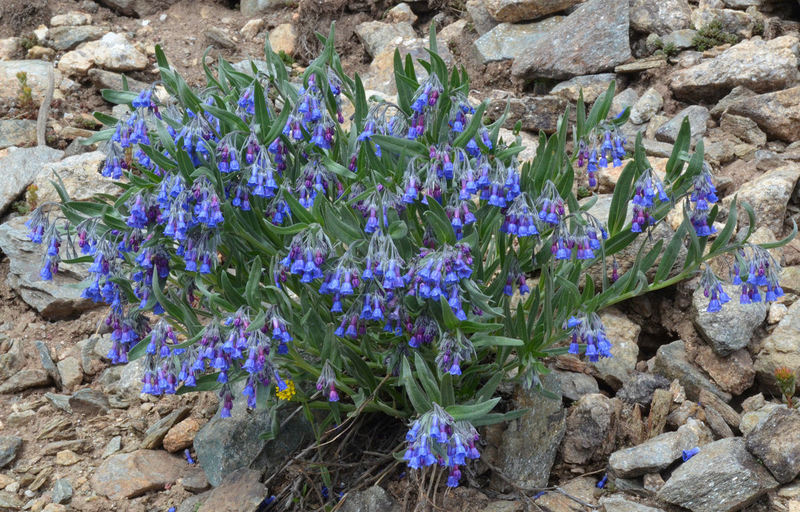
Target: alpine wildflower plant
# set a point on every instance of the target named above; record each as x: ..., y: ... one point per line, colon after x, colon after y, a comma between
x: 260, y: 239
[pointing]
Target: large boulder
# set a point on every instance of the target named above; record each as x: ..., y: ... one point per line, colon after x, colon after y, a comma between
x: 79, y: 175
x: 769, y: 195
x: 777, y: 113
x: 36, y: 71
x: 508, y: 41
x: 731, y: 328
x: 661, y: 17
x: 378, y: 35
x: 592, y: 39
x: 776, y: 443
x: 128, y: 475
x: 19, y: 168
x: 780, y: 348
x: 673, y: 363
x: 759, y: 65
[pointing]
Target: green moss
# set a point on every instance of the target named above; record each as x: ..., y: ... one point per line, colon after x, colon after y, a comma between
x: 713, y: 34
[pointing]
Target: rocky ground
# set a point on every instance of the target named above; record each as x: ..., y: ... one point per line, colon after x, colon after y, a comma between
x: 76, y: 435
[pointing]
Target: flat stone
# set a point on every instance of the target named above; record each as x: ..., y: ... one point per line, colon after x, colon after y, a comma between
x: 17, y: 132
x: 60, y: 402
x: 373, y: 499
x: 376, y: 36
x: 508, y: 41
x: 582, y: 487
x: 67, y: 38
x: 115, y: 53
x: 240, y: 491
x: 9, y: 47
x: 18, y: 419
x: 698, y: 117
x: 647, y: 106
x: 640, y: 65
x: 62, y: 491
x: 72, y: 18
x: 680, y: 39
x: 673, y: 363
x: 617, y: 370
x: 758, y: 65
x: 592, y: 86
x: 737, y: 93
x: 592, y: 39
x: 36, y: 71
x: 9, y: 500
x: 617, y: 503
x: 744, y: 128
x: 732, y: 327
x: 195, y: 480
x: 103, y: 79
x: 591, y: 429
x: 513, y: 11
x: 481, y: 19
x: 181, y: 435
x: 640, y: 387
x: 113, y: 446
x: 660, y: 17
x: 283, y: 38
x: 25, y: 379
x: 67, y: 458
x: 776, y: 113
x: 19, y: 168
x: 768, y: 194
x: 734, y: 22
x: 733, y: 373
x: 533, y: 112
x: 75, y: 445
x: 9, y: 446
x: 776, y: 444
x: 722, y: 477
x: 154, y: 435
x: 127, y: 475
x: 47, y: 363
x: 574, y: 385
x: 80, y: 176
x: 219, y: 37
x: 89, y: 402
x: 657, y: 453
x: 70, y: 372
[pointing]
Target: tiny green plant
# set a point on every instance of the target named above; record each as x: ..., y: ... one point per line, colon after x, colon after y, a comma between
x: 30, y: 202
x: 713, y: 34
x: 405, y: 263
x: 786, y: 384
x: 25, y: 95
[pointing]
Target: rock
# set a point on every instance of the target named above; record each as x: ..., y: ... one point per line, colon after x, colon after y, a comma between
x: 72, y: 18
x: 720, y: 152
x: 60, y: 402
x: 9, y: 47
x: 17, y: 132
x: 733, y: 373
x: 76, y: 172
x: 36, y: 71
x: 723, y: 477
x: 526, y: 139
x: 660, y: 17
x: 19, y: 168
x: 768, y: 194
x: 401, y: 13
x: 481, y: 19
x: 137, y: 8
x: 591, y: 85
x: 593, y: 39
x: 513, y: 11
x: 89, y: 402
x: 53, y: 299
x: 591, y: 429
x: 624, y: 99
x: 113, y: 446
x: 69, y: 370
x: 453, y: 32
x: 195, y: 481
x: 616, y: 503
x: 753, y: 403
x: 14, y: 359
x: 18, y: 419
x: 155, y: 434
x: 637, y: 66
x: 376, y: 36
x: 219, y: 37
x: 672, y: 362
x: 381, y: 71
x: 776, y: 113
x: 736, y: 94
x: 103, y: 79
x: 227, y: 444
x: 25, y: 379
x: 717, y: 423
x: 730, y: 328
x: 193, y: 503
x: 574, y: 385
x: 761, y: 66
x: 698, y: 117
x: 617, y: 370
x: 41, y: 53
x: 283, y: 38
x: 776, y: 313
x: 181, y: 435
x: 9, y: 446
x: 752, y: 419
x: 680, y: 39
x: 75, y: 445
x: 124, y: 381
x: 76, y: 63
x: 743, y: 128
x: 47, y: 363
x: 67, y: 458
x: 508, y: 41
x: 67, y: 38
x: 734, y: 22
x: 374, y: 499
x: 534, y: 112
x: 62, y: 491
x: 127, y: 475
x: 252, y: 8
x: 9, y: 501
x: 115, y: 53
x: 657, y: 453
x: 640, y: 387
x: 776, y: 444
x: 240, y: 491
x: 251, y: 29
x: 529, y: 444
x: 647, y: 106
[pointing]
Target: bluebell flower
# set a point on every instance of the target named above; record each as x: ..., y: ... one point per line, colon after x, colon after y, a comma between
x: 587, y: 328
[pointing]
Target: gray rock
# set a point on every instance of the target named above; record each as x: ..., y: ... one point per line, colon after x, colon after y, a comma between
x: 481, y: 19
x: 53, y: 299
x: 241, y: 490
x: 252, y: 8
x: 36, y: 70
x: 737, y: 93
x: 617, y: 503
x: 17, y: 132
x: 124, y: 381
x: 376, y: 36
x: 640, y: 388
x: 743, y: 128
x: 776, y: 113
x: 624, y: 333
x: 103, y: 79
x: 508, y: 41
x: 735, y: 22
x: 529, y: 444
x: 660, y: 17
x: 72, y: 18
x: 655, y: 148
x: 19, y: 168
x: 698, y: 117
x: 9, y: 446
x: 226, y: 444
x: 113, y: 446
x: 219, y: 37
x: 128, y: 475
x: 374, y: 499
x: 592, y: 86
x: 70, y: 373
x: 534, y: 112
x: 593, y: 39
x: 755, y: 418
x: 672, y: 363
x: 647, y: 106
x: 62, y: 491
x: 657, y: 453
x: 25, y: 379
x: 574, y: 385
x: 60, y: 402
x: 769, y: 194
x: 18, y: 419
x: 114, y: 52
x: 9, y: 501
x: 14, y: 360
x: 776, y: 444
x: 780, y: 348
x: 67, y: 38
x: 193, y: 503
x: 731, y: 328
x: 195, y: 481
x: 80, y: 176
x: 723, y: 477
x: 761, y: 66
x: 591, y: 429
x: 47, y: 363
x: 89, y: 402
x: 680, y: 39
x: 524, y: 10
x: 137, y: 8
x: 155, y: 434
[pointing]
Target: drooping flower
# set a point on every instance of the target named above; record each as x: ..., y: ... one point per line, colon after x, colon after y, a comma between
x: 588, y: 329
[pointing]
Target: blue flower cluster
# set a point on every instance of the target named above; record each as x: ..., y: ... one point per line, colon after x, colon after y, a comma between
x: 647, y: 188
x: 604, y: 147
x: 588, y: 329
x: 703, y: 196
x: 753, y: 269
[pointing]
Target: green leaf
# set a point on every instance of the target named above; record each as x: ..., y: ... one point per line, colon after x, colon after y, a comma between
x: 400, y: 146
x: 419, y: 401
x: 427, y: 379
x: 251, y: 288
x: 139, y: 350
x: 619, y: 202
x: 118, y: 97
x: 480, y: 340
x: 472, y: 412
x: 495, y: 417
x: 671, y: 253
x: 398, y: 229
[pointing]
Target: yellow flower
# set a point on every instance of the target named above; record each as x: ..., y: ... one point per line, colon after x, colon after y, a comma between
x: 287, y: 393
